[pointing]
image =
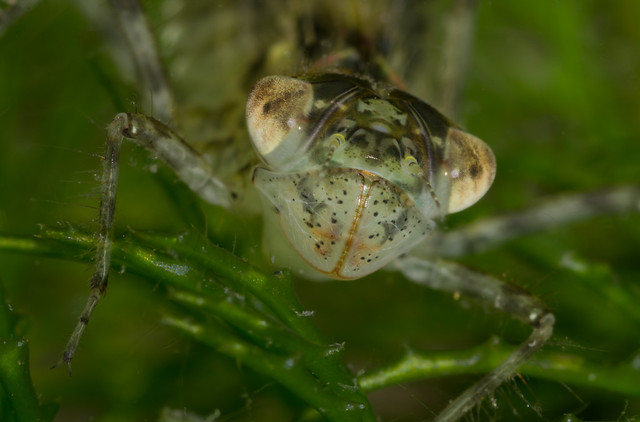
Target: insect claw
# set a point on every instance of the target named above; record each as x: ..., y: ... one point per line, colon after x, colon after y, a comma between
x: 68, y: 360
x: 64, y: 359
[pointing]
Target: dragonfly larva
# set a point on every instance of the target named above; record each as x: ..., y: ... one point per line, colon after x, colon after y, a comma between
x: 211, y: 69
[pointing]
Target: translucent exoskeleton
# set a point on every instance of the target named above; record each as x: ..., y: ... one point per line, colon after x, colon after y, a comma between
x: 316, y: 116
x: 357, y: 178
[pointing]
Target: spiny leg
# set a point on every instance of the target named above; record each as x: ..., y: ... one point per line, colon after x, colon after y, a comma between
x: 156, y: 135
x: 561, y: 210
x: 153, y: 135
x: 190, y: 167
x: 100, y: 276
x: 141, y: 43
x: 507, y: 297
x: 143, y: 51
x: 170, y: 148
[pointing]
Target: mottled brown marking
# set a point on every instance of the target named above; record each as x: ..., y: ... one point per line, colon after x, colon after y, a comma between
x: 272, y: 103
x: 472, y: 168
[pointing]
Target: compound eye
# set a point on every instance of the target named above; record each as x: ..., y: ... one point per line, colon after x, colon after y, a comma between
x: 472, y: 169
x: 277, y: 117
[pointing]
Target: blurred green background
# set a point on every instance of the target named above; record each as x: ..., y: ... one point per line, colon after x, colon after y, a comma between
x: 553, y: 87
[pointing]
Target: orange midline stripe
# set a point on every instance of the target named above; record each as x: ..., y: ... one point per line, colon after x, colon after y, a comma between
x: 363, y: 199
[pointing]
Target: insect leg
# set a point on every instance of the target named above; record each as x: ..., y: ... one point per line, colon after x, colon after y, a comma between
x: 458, y: 33
x: 154, y: 134
x: 168, y: 146
x: 105, y: 236
x: 189, y: 166
x: 11, y: 11
x: 507, y: 297
x: 492, y: 232
x: 144, y: 53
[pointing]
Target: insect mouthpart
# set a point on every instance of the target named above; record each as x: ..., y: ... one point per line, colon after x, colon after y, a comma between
x: 357, y: 177
x: 345, y: 223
